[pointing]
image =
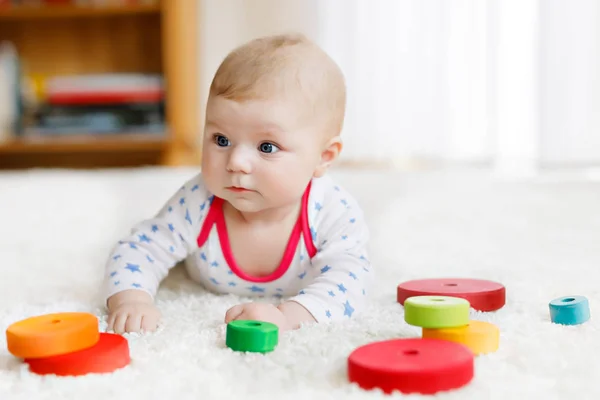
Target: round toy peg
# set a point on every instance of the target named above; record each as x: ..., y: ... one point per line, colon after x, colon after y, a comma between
x: 424, y: 366
x: 252, y: 336
x: 569, y: 310
x: 436, y: 311
x: 52, y: 334
x: 109, y: 354
x: 483, y: 295
x: 479, y: 336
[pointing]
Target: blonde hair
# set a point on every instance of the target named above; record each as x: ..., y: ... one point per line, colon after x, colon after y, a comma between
x: 285, y: 65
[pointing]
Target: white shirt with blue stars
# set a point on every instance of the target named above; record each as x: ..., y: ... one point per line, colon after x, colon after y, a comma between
x: 325, y: 268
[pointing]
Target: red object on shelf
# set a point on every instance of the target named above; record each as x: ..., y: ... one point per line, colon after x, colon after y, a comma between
x: 109, y: 354
x: 482, y: 294
x: 105, y: 97
x: 424, y: 366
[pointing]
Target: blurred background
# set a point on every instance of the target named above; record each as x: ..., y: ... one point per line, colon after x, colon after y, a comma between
x: 511, y: 85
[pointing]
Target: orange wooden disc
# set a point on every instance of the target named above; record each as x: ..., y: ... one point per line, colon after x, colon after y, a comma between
x: 52, y: 334
x: 109, y: 354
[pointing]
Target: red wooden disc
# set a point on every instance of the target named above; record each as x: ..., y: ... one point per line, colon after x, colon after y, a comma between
x: 424, y: 366
x: 109, y: 354
x: 483, y: 295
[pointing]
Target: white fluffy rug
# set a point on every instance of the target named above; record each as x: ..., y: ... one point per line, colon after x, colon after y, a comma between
x: 540, y: 238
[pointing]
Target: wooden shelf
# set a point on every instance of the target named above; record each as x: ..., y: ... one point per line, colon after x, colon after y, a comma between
x: 86, y: 144
x: 20, y: 13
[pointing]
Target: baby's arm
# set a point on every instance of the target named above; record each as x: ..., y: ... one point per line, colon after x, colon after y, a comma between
x: 341, y: 268
x: 140, y: 261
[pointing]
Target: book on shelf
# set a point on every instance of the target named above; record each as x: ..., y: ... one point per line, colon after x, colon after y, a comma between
x: 82, y: 104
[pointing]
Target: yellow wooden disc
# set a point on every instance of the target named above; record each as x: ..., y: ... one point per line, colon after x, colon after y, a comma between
x: 479, y: 336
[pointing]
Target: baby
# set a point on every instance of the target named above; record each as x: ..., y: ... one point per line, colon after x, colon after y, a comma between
x: 262, y: 218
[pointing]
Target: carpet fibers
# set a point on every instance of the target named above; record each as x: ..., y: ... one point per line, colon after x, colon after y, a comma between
x: 540, y: 238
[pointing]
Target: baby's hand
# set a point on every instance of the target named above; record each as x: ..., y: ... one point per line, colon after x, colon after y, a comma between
x: 258, y: 312
x: 132, y: 311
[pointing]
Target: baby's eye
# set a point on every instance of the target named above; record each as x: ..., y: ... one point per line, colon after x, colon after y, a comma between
x: 268, y: 148
x: 221, y: 140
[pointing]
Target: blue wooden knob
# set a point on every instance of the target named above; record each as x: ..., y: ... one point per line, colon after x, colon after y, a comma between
x: 569, y: 310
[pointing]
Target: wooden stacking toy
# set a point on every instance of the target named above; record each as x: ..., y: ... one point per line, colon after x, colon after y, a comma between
x: 66, y: 344
x: 482, y: 295
x: 569, y: 310
x: 252, y: 336
x: 423, y: 366
x: 447, y: 318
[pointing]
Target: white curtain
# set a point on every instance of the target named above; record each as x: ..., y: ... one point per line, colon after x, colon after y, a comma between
x: 511, y: 83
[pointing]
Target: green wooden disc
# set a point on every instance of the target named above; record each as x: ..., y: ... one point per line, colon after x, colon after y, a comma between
x: 252, y: 336
x: 436, y: 311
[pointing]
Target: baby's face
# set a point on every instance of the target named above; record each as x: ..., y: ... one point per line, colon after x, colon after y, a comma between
x: 258, y: 154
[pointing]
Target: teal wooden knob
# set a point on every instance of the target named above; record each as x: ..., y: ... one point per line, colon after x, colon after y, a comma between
x: 569, y: 310
x: 252, y: 336
x: 436, y: 311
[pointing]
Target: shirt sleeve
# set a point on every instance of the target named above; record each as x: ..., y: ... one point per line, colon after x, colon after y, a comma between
x: 341, y: 269
x: 142, y: 259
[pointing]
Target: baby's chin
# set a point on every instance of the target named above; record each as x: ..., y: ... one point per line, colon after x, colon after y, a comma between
x: 243, y: 204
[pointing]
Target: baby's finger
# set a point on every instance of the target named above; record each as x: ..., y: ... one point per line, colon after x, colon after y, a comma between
x: 134, y: 322
x: 233, y: 313
x: 120, y: 321
x: 110, y: 322
x: 149, y: 323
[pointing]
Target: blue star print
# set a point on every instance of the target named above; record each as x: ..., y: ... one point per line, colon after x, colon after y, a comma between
x: 255, y: 289
x: 133, y: 267
x: 113, y: 273
x: 136, y: 285
x: 331, y: 293
x: 171, y: 228
x: 213, y: 280
x: 328, y: 314
x: 302, y: 275
x: 203, y: 256
x: 231, y: 283
x: 318, y: 206
x: 149, y: 259
x: 313, y: 233
x: 144, y: 238
x: 117, y: 257
x: 342, y: 288
x: 133, y: 246
x: 214, y: 264
x: 182, y: 201
x: 154, y: 228
x: 195, y: 187
x: 187, y: 216
x: 325, y: 269
x: 353, y: 276
x: 348, y: 310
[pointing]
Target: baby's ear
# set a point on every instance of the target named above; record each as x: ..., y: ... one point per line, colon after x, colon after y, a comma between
x: 331, y: 152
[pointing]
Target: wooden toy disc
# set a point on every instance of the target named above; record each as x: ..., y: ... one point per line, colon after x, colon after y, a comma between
x: 424, y: 366
x: 52, y: 334
x: 109, y: 354
x: 482, y: 294
x: 252, y: 336
x: 436, y: 311
x: 479, y: 336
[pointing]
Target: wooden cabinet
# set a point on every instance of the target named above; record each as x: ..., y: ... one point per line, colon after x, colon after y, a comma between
x: 159, y: 38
